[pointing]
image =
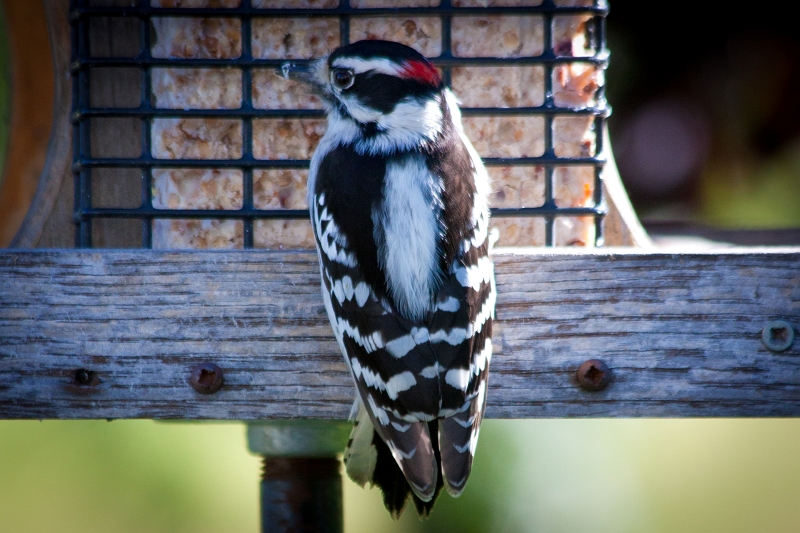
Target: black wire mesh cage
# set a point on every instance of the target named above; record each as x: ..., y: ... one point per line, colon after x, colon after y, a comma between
x: 184, y: 137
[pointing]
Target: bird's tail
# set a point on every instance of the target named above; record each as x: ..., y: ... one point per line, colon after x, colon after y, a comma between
x: 369, y: 460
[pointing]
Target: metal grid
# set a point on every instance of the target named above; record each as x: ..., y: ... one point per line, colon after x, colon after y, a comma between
x: 82, y: 112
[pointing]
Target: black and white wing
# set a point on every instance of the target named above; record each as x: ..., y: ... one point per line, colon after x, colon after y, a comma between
x: 378, y: 343
x: 465, y: 306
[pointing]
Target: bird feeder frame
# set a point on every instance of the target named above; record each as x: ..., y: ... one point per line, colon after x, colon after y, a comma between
x: 82, y: 13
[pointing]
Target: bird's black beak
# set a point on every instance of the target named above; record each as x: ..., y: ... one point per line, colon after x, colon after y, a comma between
x: 312, y: 74
x: 298, y: 72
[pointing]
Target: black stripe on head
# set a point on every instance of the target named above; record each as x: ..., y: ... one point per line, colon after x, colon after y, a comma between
x: 382, y: 91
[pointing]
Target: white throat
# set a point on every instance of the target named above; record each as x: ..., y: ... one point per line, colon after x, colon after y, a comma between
x: 411, y: 124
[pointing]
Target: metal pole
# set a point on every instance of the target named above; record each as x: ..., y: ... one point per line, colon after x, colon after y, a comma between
x: 301, y: 485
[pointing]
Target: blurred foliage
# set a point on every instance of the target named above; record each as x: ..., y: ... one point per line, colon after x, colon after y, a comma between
x: 765, y: 193
x: 738, y: 69
x: 126, y: 476
x: 700, y: 475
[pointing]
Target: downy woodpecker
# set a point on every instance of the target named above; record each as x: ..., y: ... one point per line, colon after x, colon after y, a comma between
x: 398, y: 203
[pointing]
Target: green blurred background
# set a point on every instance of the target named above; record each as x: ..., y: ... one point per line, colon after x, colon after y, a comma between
x: 530, y: 476
x: 724, y: 85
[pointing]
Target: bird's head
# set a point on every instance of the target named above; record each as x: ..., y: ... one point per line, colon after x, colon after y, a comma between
x: 382, y: 89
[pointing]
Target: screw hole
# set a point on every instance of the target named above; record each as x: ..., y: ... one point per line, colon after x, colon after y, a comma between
x: 593, y: 375
x: 206, y: 378
x: 84, y: 377
x: 779, y: 334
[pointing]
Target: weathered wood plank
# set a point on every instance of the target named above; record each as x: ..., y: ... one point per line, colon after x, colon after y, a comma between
x: 681, y: 333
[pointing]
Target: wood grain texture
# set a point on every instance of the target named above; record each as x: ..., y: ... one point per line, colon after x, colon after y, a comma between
x: 681, y: 333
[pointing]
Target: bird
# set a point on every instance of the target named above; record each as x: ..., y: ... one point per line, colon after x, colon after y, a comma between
x: 398, y: 201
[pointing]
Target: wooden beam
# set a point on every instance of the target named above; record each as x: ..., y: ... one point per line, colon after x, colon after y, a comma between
x: 116, y: 334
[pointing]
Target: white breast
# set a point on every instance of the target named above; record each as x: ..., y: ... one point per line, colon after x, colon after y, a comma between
x: 407, y: 228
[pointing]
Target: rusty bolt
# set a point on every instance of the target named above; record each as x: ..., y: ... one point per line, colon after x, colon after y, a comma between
x: 84, y: 377
x: 777, y: 336
x: 206, y: 378
x: 593, y: 375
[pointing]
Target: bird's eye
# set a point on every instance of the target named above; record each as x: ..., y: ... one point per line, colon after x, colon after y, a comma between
x: 342, y: 78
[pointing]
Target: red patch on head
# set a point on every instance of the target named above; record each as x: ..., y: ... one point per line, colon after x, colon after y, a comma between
x: 421, y: 71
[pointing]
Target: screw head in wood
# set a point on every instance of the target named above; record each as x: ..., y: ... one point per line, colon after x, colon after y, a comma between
x: 206, y: 378
x: 778, y: 336
x: 84, y: 377
x: 593, y: 375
